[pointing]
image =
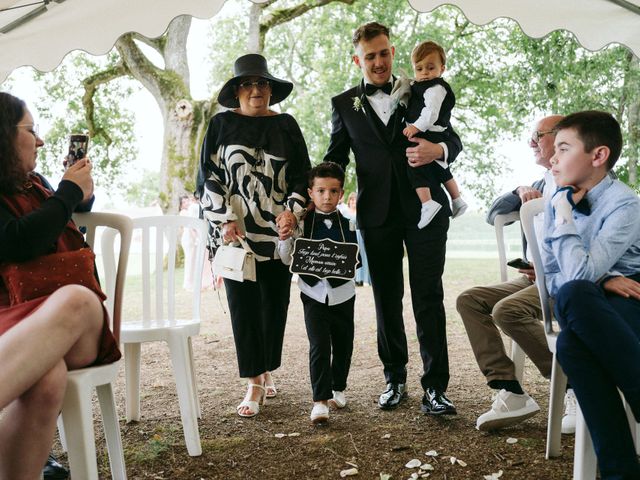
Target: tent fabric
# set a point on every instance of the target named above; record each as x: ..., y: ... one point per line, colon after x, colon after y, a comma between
x: 595, y: 23
x: 89, y: 25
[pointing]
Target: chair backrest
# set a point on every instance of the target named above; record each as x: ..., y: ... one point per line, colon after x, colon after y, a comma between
x: 159, y: 240
x: 114, y: 271
x: 527, y: 213
x: 499, y: 223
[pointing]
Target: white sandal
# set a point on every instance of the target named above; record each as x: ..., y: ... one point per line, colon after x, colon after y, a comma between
x: 271, y: 387
x: 252, y: 405
x: 319, y: 413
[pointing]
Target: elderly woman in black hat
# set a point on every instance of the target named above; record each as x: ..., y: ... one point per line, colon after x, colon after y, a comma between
x: 252, y: 181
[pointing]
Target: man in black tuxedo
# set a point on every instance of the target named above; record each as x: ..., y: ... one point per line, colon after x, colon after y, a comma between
x: 388, y: 210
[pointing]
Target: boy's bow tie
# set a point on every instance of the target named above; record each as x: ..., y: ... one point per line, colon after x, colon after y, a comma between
x: 370, y: 89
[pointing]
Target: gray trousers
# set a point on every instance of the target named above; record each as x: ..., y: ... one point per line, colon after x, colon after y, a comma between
x: 514, y: 307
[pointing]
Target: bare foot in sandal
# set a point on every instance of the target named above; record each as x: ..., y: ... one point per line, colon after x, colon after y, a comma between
x: 250, y: 406
x: 269, y: 385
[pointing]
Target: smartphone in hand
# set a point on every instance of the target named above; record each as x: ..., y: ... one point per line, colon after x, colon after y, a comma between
x: 520, y: 264
x: 78, y: 148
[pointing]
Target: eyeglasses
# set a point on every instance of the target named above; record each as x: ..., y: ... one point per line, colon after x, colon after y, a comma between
x: 32, y: 128
x: 537, y: 135
x: 260, y: 84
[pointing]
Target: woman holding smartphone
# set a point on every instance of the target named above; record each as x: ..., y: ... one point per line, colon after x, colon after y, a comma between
x: 42, y: 338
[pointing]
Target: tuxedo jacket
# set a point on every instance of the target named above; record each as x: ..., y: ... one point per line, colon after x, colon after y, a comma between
x: 381, y: 162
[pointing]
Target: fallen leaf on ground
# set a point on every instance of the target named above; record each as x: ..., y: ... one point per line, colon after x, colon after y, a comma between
x: 280, y: 435
x: 413, y: 463
x: 512, y: 440
x: 426, y: 466
x: 351, y: 464
x: 461, y: 463
x: 294, y: 434
x: 349, y: 472
x: 493, y: 476
x: 385, y: 476
x: 452, y: 460
x: 431, y: 453
x: 386, y: 436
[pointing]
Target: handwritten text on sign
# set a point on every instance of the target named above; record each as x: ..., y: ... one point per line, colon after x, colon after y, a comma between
x: 325, y: 258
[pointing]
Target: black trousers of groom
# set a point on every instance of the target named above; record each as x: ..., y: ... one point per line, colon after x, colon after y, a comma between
x: 426, y: 254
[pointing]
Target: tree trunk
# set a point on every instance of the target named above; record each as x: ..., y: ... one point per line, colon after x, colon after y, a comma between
x: 633, y: 119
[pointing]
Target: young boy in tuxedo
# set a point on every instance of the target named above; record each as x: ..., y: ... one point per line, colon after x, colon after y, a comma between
x: 329, y: 302
x: 591, y: 258
x: 428, y: 116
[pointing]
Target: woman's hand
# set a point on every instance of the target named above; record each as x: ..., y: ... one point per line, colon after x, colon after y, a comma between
x: 286, y: 222
x: 231, y: 231
x: 80, y: 174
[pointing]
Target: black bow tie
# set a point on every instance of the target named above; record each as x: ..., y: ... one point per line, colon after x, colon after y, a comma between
x: 333, y: 216
x: 370, y: 89
x: 583, y: 207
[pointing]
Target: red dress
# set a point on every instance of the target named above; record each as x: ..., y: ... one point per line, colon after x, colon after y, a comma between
x: 70, y: 239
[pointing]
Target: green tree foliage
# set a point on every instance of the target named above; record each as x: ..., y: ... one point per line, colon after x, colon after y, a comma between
x: 113, y: 147
x: 503, y: 79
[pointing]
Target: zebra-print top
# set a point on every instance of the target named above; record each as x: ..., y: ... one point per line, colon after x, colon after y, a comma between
x: 251, y: 170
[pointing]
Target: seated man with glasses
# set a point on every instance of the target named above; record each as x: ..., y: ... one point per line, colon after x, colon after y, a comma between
x: 514, y: 307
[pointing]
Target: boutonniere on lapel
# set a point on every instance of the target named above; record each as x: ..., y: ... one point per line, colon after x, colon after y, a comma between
x: 357, y: 104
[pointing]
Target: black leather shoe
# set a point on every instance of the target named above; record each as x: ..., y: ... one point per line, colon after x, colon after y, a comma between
x: 392, y: 396
x: 435, y: 402
x: 53, y: 470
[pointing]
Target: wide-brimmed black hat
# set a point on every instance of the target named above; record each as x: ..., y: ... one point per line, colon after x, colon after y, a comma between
x: 252, y: 65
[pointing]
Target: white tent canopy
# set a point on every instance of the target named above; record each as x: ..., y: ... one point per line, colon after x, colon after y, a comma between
x: 595, y: 23
x: 90, y: 25
x: 59, y: 26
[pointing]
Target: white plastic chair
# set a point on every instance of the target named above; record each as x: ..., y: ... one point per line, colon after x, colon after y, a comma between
x: 159, y: 322
x: 500, y: 221
x: 77, y: 434
x: 584, y: 459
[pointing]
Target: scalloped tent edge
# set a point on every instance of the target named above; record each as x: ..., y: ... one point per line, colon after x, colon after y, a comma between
x: 94, y: 26
x: 89, y: 25
x: 594, y: 23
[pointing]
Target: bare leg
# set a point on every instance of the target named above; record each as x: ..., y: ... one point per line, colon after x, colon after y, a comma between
x: 452, y: 188
x: 28, y: 425
x: 68, y: 324
x: 424, y: 194
x: 253, y: 394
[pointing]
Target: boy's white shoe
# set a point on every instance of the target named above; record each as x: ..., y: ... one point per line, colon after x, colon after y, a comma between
x: 508, y: 409
x: 319, y: 413
x: 285, y: 249
x: 339, y: 399
x: 569, y: 418
x: 428, y: 211
x: 458, y: 207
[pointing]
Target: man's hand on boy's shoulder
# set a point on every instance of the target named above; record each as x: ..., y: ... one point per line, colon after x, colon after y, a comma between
x: 623, y: 286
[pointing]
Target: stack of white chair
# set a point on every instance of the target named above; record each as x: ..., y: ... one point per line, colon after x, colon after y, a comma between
x: 77, y: 433
x: 159, y: 321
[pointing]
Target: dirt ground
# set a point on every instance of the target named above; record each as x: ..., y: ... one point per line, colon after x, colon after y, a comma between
x: 361, y: 436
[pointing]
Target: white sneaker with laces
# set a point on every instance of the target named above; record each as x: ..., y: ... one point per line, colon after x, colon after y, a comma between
x: 508, y: 409
x: 569, y: 418
x: 428, y: 211
x: 319, y: 413
x: 458, y: 207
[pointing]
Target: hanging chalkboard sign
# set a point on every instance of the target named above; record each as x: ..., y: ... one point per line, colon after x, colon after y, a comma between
x: 324, y: 258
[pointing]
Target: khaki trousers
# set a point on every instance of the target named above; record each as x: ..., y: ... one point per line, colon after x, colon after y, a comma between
x: 514, y: 307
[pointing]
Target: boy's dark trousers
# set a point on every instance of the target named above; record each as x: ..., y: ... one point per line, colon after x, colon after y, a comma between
x: 330, y: 332
x: 598, y: 349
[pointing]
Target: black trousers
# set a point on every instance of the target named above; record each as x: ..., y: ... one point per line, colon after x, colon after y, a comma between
x: 330, y: 332
x: 430, y: 175
x: 426, y: 252
x: 258, y: 317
